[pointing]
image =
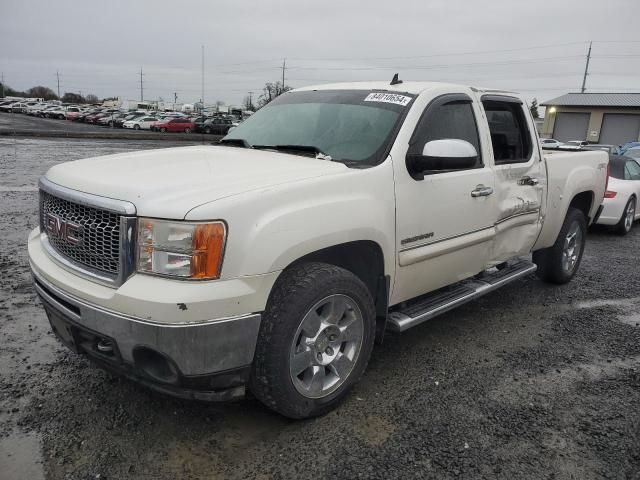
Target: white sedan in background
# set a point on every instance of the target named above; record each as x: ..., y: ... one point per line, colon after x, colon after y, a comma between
x: 621, y: 198
x: 550, y: 143
x: 143, y: 123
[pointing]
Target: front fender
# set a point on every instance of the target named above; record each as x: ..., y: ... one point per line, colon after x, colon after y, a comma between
x: 271, y: 228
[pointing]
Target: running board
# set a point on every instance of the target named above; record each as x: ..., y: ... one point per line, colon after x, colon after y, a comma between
x: 426, y: 307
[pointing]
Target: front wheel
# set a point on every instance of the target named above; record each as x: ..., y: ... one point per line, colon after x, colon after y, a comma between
x: 315, y: 340
x: 207, y: 130
x: 136, y: 127
x: 187, y: 130
x: 628, y: 217
x: 560, y: 262
x: 163, y: 130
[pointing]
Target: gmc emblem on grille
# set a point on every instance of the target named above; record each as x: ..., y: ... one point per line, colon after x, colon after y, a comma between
x: 65, y: 230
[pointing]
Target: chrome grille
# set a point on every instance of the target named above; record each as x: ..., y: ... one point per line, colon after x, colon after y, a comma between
x: 99, y: 246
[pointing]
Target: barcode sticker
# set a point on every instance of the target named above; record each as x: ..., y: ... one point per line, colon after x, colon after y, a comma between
x: 388, y: 98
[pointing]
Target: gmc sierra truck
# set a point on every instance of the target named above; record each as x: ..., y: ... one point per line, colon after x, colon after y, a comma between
x: 275, y: 259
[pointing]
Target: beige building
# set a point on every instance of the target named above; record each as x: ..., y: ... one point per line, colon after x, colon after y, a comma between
x: 608, y: 118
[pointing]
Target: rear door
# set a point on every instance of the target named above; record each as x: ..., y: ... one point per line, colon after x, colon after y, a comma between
x: 519, y: 175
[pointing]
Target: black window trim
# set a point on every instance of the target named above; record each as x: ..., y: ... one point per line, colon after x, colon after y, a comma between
x: 517, y: 101
x: 432, y: 105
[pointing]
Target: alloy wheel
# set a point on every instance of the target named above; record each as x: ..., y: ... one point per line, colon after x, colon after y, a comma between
x: 572, y: 248
x: 326, y: 346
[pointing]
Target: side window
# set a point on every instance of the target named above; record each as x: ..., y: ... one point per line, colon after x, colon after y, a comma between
x: 510, y: 134
x: 447, y: 120
x: 632, y: 171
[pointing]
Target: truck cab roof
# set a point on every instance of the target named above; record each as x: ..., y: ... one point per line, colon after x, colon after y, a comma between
x: 414, y: 88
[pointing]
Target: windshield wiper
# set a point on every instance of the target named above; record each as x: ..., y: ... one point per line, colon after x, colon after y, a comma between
x: 292, y: 148
x: 235, y: 142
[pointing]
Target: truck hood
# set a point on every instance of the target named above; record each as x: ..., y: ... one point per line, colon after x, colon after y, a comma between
x: 169, y: 182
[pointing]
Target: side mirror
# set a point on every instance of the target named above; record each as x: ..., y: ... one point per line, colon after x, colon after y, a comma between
x: 441, y: 156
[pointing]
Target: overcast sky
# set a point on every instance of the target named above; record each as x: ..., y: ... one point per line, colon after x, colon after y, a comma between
x: 537, y: 47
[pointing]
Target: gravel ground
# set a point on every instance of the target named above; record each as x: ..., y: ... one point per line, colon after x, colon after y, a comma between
x: 534, y: 381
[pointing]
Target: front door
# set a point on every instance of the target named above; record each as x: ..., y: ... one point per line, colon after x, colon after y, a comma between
x: 520, y: 176
x: 444, y: 222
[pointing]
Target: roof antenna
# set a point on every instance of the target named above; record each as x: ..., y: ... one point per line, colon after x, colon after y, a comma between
x: 395, y: 80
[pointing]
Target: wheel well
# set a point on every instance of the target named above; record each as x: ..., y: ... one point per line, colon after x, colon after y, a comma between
x: 363, y: 258
x: 583, y: 201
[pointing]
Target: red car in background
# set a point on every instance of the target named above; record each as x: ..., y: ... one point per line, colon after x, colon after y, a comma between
x: 174, y: 125
x: 94, y: 118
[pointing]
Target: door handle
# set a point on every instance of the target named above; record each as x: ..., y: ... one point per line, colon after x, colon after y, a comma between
x: 481, y: 191
x: 532, y: 182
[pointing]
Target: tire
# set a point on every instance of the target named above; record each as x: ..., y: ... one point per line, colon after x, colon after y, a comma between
x: 163, y: 130
x: 207, y: 130
x: 136, y: 127
x: 560, y: 262
x: 187, y: 130
x: 303, y: 293
x: 625, y: 224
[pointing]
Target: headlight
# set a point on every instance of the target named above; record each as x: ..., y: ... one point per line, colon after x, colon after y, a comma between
x: 192, y: 250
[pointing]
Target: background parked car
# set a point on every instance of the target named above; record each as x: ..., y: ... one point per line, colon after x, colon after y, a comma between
x: 622, y: 194
x: 119, y: 122
x: 550, y: 143
x: 140, y: 123
x: 633, y: 153
x: 183, y: 124
x: 72, y: 112
x: 218, y: 125
x: 622, y: 149
x: 13, y: 107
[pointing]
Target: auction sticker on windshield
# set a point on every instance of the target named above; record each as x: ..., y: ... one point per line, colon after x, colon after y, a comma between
x: 388, y: 98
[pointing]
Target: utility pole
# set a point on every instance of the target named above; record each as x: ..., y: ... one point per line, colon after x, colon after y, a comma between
x: 175, y: 97
x: 586, y: 69
x: 58, y: 77
x: 202, y: 78
x: 284, y: 66
x: 141, y: 87
x: 250, y: 101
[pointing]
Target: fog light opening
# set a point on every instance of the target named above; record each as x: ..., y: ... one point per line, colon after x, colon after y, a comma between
x: 155, y: 365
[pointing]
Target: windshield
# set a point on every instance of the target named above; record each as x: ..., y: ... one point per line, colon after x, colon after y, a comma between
x: 347, y: 125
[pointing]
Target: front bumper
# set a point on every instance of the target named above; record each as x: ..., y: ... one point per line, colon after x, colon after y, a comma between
x: 205, y: 361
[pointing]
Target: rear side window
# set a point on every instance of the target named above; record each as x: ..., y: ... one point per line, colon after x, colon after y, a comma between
x: 447, y: 120
x: 631, y: 170
x: 510, y: 136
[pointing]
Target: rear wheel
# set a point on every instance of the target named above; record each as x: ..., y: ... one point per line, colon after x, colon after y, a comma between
x: 315, y: 340
x: 136, y: 127
x: 187, y: 130
x: 560, y: 262
x: 625, y: 224
x: 207, y: 130
x: 163, y: 130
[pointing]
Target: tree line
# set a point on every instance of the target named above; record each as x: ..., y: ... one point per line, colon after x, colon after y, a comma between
x: 48, y: 94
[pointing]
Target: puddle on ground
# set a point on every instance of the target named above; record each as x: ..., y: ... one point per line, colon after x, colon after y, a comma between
x: 633, y: 319
x: 20, y: 457
x: 613, y: 302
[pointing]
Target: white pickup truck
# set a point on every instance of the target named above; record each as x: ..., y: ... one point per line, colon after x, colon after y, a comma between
x: 275, y: 259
